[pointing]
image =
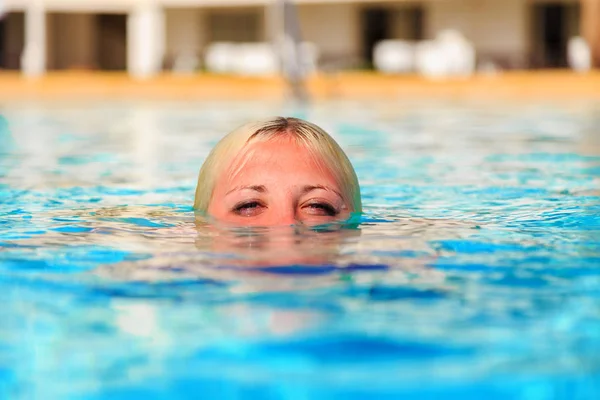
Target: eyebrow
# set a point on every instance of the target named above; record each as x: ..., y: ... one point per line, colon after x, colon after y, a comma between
x: 262, y: 189
x: 309, y: 188
x: 256, y: 188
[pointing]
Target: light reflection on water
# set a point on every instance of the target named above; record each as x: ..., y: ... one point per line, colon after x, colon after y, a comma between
x: 474, y: 270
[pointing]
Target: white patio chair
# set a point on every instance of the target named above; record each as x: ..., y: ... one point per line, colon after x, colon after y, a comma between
x: 459, y: 53
x: 430, y: 60
x: 186, y: 62
x: 579, y: 55
x: 255, y: 59
x: 220, y: 57
x: 394, y: 56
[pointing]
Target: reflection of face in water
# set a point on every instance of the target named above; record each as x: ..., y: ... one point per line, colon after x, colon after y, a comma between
x: 274, y: 246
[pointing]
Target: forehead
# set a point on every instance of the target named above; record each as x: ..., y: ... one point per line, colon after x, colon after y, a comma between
x: 277, y: 157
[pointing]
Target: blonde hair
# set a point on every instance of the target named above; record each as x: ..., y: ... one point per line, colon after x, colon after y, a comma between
x: 315, y: 139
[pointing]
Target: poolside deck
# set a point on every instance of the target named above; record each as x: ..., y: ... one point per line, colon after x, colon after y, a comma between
x: 73, y: 85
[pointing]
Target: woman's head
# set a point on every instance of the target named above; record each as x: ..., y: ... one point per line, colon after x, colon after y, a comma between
x: 277, y: 172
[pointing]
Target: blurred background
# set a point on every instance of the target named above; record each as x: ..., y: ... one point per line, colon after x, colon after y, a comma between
x: 302, y: 38
x: 474, y: 129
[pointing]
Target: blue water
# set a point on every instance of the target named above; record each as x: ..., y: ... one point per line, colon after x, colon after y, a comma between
x: 474, y: 271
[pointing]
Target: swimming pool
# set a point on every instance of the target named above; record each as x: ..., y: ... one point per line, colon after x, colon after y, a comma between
x: 474, y: 271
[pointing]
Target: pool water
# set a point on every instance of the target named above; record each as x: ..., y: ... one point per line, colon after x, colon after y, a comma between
x: 474, y: 270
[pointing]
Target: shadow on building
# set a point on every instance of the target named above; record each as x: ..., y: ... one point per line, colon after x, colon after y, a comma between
x: 382, y: 23
x: 553, y: 25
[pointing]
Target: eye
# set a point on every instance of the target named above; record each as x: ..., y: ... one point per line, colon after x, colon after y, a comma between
x: 321, y: 209
x: 248, y: 208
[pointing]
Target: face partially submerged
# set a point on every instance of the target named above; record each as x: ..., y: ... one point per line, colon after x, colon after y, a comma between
x: 277, y: 182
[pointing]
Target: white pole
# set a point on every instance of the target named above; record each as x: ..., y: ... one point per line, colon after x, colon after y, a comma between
x: 33, y: 59
x: 145, y: 40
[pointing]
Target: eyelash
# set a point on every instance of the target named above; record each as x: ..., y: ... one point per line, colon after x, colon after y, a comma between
x: 247, y: 204
x: 328, y: 208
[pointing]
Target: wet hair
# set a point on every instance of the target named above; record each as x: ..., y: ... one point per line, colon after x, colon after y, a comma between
x: 314, y: 139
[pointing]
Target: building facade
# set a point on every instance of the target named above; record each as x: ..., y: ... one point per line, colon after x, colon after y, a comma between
x: 147, y: 36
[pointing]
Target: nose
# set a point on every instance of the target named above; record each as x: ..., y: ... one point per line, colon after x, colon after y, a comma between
x: 282, y: 216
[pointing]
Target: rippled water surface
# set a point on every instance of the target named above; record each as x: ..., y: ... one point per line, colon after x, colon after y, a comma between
x: 474, y: 271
